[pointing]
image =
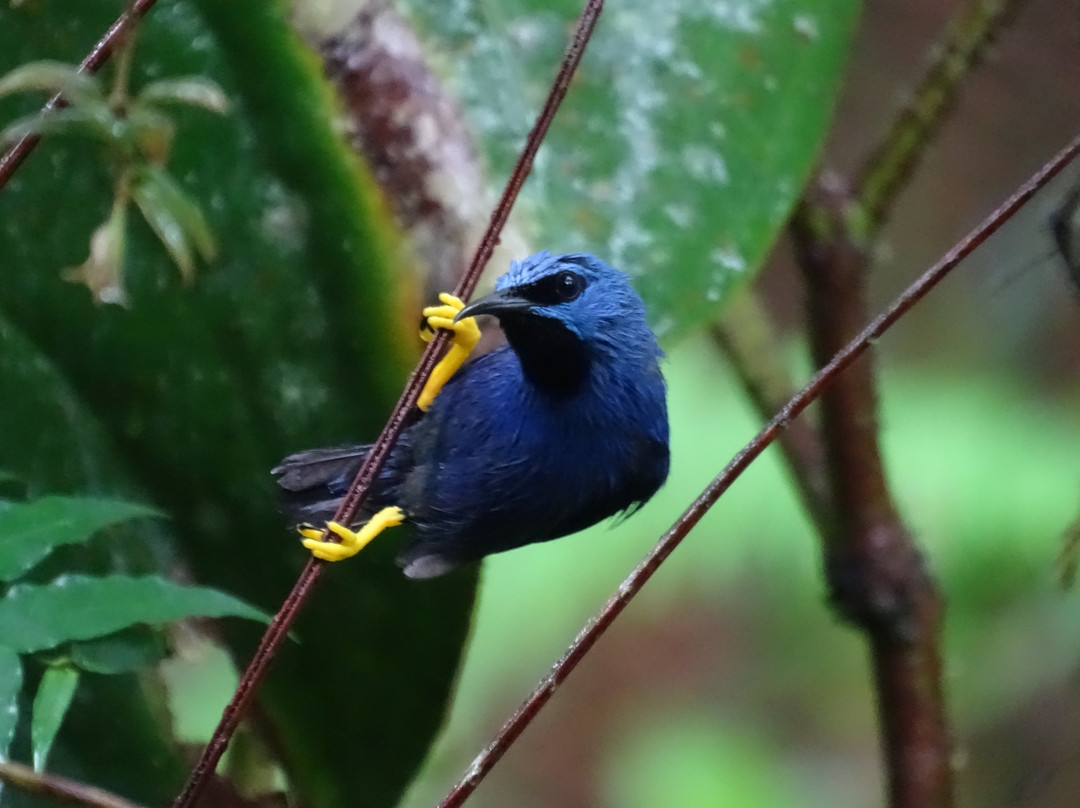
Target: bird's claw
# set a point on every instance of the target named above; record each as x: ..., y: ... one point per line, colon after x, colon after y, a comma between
x: 466, y: 335
x: 350, y: 542
x: 466, y: 331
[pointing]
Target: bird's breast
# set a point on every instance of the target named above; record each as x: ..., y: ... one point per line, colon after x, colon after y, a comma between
x: 501, y: 462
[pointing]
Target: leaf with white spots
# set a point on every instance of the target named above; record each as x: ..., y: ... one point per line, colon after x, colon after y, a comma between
x: 685, y: 140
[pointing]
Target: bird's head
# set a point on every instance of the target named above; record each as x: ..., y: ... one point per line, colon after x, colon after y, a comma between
x: 578, y: 292
x: 561, y: 312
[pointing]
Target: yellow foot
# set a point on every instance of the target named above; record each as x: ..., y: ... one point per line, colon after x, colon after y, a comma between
x: 466, y: 335
x: 352, y: 542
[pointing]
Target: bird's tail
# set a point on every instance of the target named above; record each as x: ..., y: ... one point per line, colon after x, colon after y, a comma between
x: 314, y: 482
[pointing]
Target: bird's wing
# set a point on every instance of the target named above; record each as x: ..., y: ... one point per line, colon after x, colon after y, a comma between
x: 303, y: 470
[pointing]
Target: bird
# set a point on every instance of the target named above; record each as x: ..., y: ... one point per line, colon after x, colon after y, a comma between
x: 560, y: 427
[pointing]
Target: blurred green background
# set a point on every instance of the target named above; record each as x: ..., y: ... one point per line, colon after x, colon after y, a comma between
x: 683, y: 145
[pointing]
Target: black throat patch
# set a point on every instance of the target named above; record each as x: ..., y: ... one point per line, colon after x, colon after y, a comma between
x: 552, y: 357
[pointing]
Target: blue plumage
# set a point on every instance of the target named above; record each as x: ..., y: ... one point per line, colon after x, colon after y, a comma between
x: 558, y: 429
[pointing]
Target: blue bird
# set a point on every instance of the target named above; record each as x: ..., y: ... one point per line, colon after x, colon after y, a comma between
x: 563, y: 426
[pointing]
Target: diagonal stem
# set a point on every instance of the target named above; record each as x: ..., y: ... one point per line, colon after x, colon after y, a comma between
x: 98, y: 56
x: 380, y: 451
x: 633, y: 583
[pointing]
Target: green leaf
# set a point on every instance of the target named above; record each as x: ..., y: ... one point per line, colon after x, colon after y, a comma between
x: 52, y: 77
x: 78, y: 607
x: 50, y: 706
x: 10, y: 685
x: 30, y: 531
x: 686, y: 138
x: 129, y: 649
x: 191, y: 393
x: 89, y: 120
x: 174, y: 217
x: 196, y: 90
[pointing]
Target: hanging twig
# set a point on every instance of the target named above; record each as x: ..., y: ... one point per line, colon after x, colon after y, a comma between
x: 13, y: 157
x: 350, y: 506
x: 890, y: 166
x: 633, y: 583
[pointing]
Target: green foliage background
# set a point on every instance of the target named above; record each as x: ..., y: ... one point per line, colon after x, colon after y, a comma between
x: 683, y: 145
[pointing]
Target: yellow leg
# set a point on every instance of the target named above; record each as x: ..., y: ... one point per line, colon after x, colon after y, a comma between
x: 351, y: 542
x: 466, y: 335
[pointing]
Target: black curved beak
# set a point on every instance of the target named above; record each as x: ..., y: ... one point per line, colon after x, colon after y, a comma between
x: 497, y: 303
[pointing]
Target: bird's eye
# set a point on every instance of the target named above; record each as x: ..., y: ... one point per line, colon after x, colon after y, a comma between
x: 553, y: 290
x: 568, y: 286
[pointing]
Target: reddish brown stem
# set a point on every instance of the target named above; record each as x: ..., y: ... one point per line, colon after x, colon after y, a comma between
x: 350, y: 506
x: 633, y: 583
x: 14, y: 157
x: 876, y: 574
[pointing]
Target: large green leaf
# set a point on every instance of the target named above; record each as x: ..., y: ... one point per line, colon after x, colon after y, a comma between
x: 298, y: 335
x: 684, y: 142
x: 78, y: 607
x: 29, y: 531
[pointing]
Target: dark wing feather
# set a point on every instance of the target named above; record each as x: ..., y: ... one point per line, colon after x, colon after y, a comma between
x: 316, y: 481
x: 304, y: 470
